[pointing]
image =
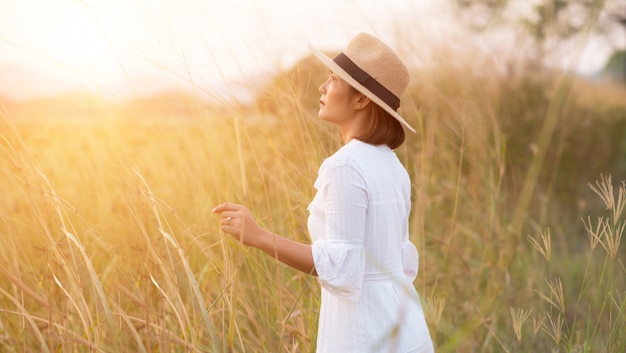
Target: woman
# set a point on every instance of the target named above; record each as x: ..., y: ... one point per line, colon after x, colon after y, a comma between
x: 358, y: 219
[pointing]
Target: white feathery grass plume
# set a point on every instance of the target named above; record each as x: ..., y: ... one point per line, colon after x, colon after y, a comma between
x: 518, y: 318
x: 556, y: 291
x: 595, y: 235
x: 435, y: 308
x: 555, y: 330
x: 537, y: 323
x: 545, y: 247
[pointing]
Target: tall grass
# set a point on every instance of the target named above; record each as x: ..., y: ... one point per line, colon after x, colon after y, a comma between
x: 110, y: 244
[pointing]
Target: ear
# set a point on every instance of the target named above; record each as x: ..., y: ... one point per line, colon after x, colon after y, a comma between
x: 362, y: 102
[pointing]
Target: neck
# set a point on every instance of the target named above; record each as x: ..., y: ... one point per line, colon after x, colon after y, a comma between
x: 348, y: 136
x: 351, y: 129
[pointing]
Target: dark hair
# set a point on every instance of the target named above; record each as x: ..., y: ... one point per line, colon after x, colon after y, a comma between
x: 382, y: 129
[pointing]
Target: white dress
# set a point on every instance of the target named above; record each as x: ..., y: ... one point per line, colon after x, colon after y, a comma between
x: 365, y: 263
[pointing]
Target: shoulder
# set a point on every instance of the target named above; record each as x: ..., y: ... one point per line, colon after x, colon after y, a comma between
x: 352, y: 154
x: 341, y: 157
x: 345, y: 164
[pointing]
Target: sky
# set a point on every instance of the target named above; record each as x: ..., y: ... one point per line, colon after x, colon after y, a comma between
x: 129, y: 48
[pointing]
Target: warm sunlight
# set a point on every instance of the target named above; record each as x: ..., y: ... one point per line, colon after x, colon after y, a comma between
x: 80, y: 38
x: 130, y: 48
x: 81, y: 43
x: 138, y: 47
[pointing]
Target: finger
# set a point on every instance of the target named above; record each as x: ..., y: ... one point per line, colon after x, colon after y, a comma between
x: 227, y: 229
x: 219, y: 208
x: 227, y: 206
x: 232, y: 230
x: 228, y: 214
x: 230, y: 221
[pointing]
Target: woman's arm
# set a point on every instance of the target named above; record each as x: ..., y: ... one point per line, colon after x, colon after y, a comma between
x: 237, y: 221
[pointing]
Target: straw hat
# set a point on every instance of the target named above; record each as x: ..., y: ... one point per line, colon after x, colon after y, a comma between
x: 372, y: 68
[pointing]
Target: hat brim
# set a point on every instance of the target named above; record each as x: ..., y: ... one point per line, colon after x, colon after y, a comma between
x: 326, y: 60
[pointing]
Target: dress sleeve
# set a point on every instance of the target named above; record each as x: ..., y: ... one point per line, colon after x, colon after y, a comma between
x: 340, y: 257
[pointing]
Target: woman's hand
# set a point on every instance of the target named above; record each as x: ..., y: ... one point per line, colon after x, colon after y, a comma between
x: 237, y: 221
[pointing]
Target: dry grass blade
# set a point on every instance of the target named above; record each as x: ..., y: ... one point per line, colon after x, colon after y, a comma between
x: 153, y: 204
x: 42, y: 301
x: 171, y: 336
x: 74, y: 239
x: 61, y: 328
x: 132, y: 329
x: 86, y: 321
x: 195, y: 288
x: 242, y: 166
x: 27, y: 316
x: 129, y: 295
x: 183, y: 324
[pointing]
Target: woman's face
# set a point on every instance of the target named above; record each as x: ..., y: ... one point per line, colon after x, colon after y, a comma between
x: 336, y: 104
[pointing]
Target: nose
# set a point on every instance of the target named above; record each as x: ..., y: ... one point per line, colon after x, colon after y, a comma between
x: 322, y: 87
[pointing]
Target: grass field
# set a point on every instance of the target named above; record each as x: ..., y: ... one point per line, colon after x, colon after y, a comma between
x: 109, y: 243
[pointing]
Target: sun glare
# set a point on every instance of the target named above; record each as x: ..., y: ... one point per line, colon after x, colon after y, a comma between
x: 84, y: 43
x: 125, y: 48
x: 81, y: 39
x: 117, y: 46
